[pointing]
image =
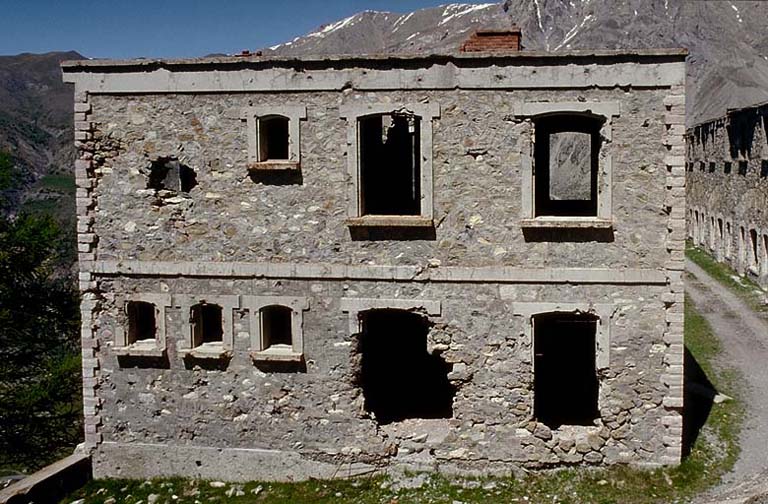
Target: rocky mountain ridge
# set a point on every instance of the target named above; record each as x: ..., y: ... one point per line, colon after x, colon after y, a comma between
x: 727, y: 40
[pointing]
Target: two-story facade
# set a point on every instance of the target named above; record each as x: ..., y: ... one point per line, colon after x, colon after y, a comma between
x: 318, y: 267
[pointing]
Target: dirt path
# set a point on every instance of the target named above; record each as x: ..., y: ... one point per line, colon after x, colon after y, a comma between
x: 745, y: 346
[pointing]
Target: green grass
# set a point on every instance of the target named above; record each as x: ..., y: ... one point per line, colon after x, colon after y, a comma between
x: 60, y: 183
x: 712, y: 456
x: 743, y: 287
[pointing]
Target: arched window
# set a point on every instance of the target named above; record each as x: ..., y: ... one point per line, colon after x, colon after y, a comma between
x: 273, y: 138
x: 207, y: 324
x: 276, y: 327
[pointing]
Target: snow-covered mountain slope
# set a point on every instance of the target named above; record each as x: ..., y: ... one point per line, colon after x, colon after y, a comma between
x: 728, y: 40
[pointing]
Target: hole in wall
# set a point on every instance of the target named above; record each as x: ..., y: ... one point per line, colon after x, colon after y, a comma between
x: 399, y: 378
x: 170, y: 175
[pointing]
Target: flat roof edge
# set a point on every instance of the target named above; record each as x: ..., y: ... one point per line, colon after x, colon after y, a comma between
x: 105, y: 64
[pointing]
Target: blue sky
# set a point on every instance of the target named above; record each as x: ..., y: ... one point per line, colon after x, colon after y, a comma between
x: 171, y: 28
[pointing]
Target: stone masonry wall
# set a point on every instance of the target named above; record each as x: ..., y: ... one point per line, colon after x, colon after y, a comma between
x: 236, y: 236
x: 728, y: 190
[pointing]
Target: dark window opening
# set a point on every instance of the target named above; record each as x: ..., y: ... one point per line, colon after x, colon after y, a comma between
x: 755, y: 244
x: 170, y: 175
x: 566, y: 165
x: 390, y: 164
x: 764, y: 168
x: 701, y: 165
x: 728, y: 167
x: 276, y: 326
x: 712, y: 167
x: 141, y: 321
x: 400, y: 380
x: 273, y: 138
x: 565, y: 378
x: 207, y: 326
x: 720, y: 229
x: 743, y: 165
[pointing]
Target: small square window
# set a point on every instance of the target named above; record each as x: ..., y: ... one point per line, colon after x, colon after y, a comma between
x: 273, y: 138
x: 276, y: 328
x: 274, y: 133
x: 142, y: 334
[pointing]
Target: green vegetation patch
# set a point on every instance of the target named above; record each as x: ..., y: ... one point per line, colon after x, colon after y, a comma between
x: 713, y: 454
x: 64, y: 184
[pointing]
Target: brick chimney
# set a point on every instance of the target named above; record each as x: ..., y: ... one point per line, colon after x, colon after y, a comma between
x: 493, y: 41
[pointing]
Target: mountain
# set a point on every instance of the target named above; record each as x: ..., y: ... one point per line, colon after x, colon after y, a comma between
x: 36, y: 123
x: 727, y: 41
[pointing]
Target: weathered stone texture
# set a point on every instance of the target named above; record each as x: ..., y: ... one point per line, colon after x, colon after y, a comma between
x: 150, y: 416
x: 728, y: 186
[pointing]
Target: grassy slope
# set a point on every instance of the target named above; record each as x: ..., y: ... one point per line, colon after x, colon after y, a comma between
x: 712, y: 456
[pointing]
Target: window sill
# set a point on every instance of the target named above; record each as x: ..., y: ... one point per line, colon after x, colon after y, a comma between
x: 214, y: 351
x: 144, y: 348
x: 409, y: 221
x: 283, y: 353
x: 557, y: 222
x: 274, y: 165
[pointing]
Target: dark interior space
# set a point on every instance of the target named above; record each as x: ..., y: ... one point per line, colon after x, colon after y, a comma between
x: 141, y: 321
x: 390, y: 164
x: 207, y: 324
x: 566, y: 158
x: 699, y: 395
x: 400, y: 380
x: 727, y: 167
x: 743, y: 167
x: 275, y: 325
x: 168, y: 174
x: 755, y: 246
x: 273, y: 138
x: 764, y: 168
x: 569, y: 235
x: 565, y: 378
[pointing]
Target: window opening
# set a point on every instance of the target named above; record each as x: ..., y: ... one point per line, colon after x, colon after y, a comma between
x: 743, y: 167
x: 141, y: 321
x: 400, y: 380
x: 764, y: 168
x: 565, y: 377
x: 276, y: 326
x: 755, y: 244
x: 273, y: 138
x: 566, y: 156
x: 169, y: 174
x: 728, y: 167
x: 390, y: 164
x: 207, y: 325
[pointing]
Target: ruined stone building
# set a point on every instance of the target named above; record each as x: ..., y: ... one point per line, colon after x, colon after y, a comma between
x: 728, y: 189
x: 318, y: 267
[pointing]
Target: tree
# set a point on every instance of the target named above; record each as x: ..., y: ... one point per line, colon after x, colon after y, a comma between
x: 39, y: 320
x: 9, y: 179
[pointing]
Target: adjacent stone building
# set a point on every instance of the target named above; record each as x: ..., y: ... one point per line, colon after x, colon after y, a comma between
x: 728, y: 189
x: 323, y: 266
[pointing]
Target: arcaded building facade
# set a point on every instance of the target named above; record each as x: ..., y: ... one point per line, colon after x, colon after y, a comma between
x: 321, y: 267
x: 728, y: 189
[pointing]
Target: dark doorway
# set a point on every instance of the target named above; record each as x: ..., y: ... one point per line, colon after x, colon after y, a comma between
x: 390, y: 164
x: 399, y: 378
x: 565, y: 377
